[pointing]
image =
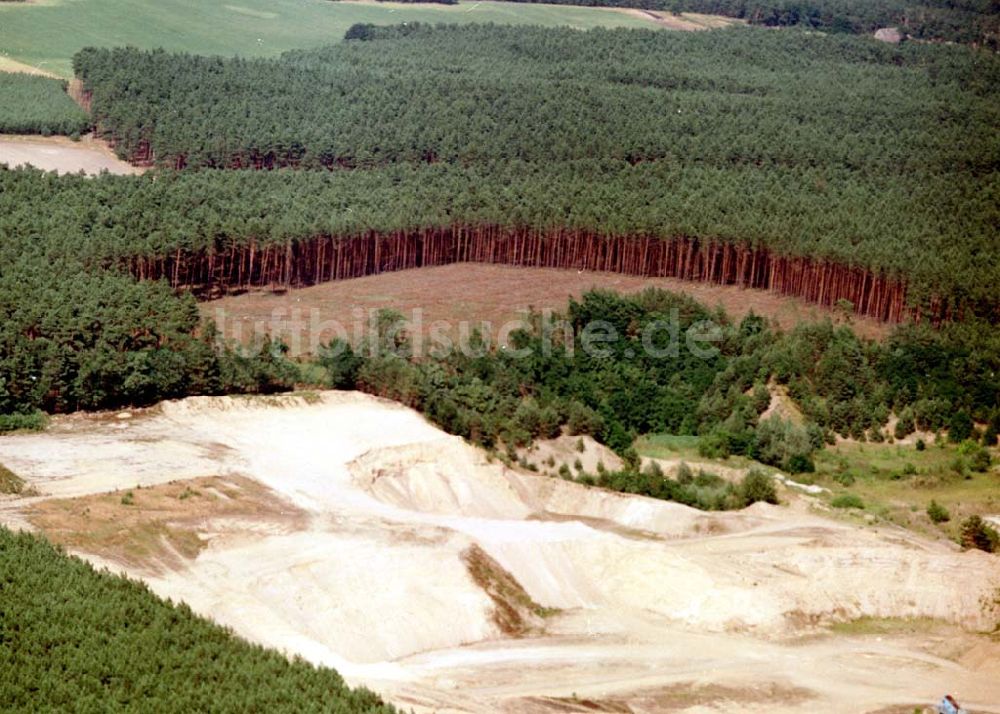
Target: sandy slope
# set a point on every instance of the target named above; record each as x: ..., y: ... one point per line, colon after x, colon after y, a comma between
x: 636, y: 603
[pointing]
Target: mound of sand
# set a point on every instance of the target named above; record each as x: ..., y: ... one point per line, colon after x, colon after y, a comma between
x: 419, y: 566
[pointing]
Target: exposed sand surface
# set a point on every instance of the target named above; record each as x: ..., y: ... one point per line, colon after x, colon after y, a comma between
x: 349, y: 530
x: 59, y: 153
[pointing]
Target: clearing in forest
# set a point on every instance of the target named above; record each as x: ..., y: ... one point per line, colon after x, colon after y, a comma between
x: 475, y: 293
x: 59, y: 153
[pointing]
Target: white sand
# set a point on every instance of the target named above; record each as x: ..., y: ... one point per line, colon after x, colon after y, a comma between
x: 652, y: 594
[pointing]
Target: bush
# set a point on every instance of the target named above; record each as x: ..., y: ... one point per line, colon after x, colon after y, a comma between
x: 684, y: 474
x: 937, y: 513
x: 581, y: 419
x: 783, y: 444
x: 977, y: 533
x: 960, y: 426
x: 921, y: 445
x: 979, y: 459
x: 33, y: 421
x: 847, y: 500
x: 844, y: 478
x: 905, y: 424
x: 757, y: 486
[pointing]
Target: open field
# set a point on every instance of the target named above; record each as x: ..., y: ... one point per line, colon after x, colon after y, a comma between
x: 473, y: 293
x: 416, y: 565
x: 45, y: 36
x: 58, y: 153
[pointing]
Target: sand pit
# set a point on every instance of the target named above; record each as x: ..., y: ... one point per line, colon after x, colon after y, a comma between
x: 61, y: 154
x: 362, y: 537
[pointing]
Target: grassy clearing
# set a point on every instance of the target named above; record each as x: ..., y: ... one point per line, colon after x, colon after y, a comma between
x: 47, y: 35
x: 898, y: 482
x: 675, y: 446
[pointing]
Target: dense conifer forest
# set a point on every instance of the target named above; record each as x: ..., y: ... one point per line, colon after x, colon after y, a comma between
x: 852, y: 173
x: 74, y: 639
x: 38, y: 105
x: 795, y: 162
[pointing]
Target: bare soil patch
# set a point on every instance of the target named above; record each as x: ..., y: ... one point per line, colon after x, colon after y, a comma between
x: 9, y: 65
x: 157, y: 527
x: 683, y: 696
x: 515, y: 613
x: 473, y: 293
x: 61, y: 154
x: 683, y: 21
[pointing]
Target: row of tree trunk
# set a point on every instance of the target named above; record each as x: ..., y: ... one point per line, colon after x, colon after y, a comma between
x: 323, y: 258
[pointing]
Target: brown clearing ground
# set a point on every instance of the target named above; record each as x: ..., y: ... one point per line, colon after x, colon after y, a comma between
x: 473, y: 293
x: 149, y: 528
x: 62, y: 154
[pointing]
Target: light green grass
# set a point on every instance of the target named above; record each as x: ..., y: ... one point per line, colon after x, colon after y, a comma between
x: 675, y: 446
x: 47, y: 34
x: 903, y: 499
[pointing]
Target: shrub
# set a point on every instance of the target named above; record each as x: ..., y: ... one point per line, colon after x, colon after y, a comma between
x: 684, y: 473
x: 847, y: 500
x: 581, y: 419
x: 128, y: 499
x: 34, y: 421
x: 631, y: 459
x: 909, y: 469
x: 921, y: 445
x: 757, y: 486
x: 937, y: 513
x: 564, y: 471
x: 977, y: 533
x: 905, y: 424
x: 979, y: 459
x: 959, y: 426
x: 780, y: 443
x: 844, y: 478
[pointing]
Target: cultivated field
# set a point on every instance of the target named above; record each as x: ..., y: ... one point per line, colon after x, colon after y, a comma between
x: 476, y: 294
x: 46, y: 35
x: 350, y: 531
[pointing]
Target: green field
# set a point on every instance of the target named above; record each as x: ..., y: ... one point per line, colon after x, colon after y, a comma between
x: 47, y: 34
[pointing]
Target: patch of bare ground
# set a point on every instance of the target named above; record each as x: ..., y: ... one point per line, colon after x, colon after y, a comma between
x: 443, y: 298
x: 580, y: 454
x: 62, y: 154
x: 9, y: 65
x: 683, y: 21
x: 683, y: 696
x: 515, y: 613
x: 156, y: 528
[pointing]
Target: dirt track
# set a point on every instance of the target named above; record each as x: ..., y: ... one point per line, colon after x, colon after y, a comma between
x: 59, y: 153
x: 630, y: 604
